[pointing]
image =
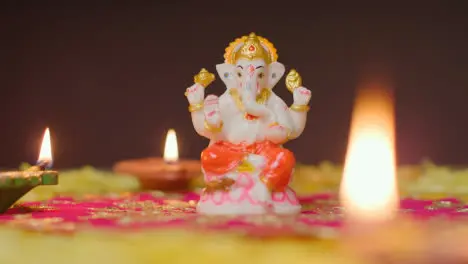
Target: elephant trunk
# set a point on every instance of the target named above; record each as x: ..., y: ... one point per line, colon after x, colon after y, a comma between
x: 249, y: 94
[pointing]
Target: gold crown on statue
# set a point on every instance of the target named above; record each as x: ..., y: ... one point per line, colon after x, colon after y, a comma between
x: 250, y: 47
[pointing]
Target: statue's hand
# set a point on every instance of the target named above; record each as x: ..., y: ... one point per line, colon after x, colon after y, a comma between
x: 302, y: 96
x: 211, y: 109
x: 195, y: 94
x: 277, y: 133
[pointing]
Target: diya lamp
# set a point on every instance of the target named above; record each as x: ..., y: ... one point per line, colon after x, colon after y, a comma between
x: 368, y: 190
x: 168, y: 173
x: 374, y: 229
x: 15, y: 184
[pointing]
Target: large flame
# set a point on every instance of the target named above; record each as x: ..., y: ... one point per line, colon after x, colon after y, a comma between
x: 368, y: 188
x: 45, y: 154
x: 171, y: 150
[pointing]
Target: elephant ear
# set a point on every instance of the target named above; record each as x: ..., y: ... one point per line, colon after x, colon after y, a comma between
x: 226, y: 73
x: 275, y: 72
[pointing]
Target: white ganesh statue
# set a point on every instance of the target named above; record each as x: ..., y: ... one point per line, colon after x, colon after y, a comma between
x: 245, y: 167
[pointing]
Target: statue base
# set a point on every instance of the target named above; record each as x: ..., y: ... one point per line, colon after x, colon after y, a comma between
x: 246, y: 194
x: 242, y: 202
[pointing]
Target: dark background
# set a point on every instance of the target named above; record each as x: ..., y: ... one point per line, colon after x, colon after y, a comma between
x: 108, y: 79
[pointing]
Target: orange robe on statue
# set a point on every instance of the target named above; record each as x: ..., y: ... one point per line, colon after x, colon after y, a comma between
x: 221, y: 157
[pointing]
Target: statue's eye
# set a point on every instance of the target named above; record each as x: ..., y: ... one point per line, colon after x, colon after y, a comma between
x: 260, y: 75
x: 239, y: 74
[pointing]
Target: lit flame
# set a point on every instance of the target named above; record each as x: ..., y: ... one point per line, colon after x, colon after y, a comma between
x: 45, y: 155
x: 368, y: 188
x: 171, y: 150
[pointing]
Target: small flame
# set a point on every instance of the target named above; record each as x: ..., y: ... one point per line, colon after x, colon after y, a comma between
x: 171, y: 150
x: 45, y: 155
x: 368, y: 188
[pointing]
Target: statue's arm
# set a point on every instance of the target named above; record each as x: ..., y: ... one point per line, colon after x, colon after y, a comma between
x: 298, y: 110
x: 281, y: 126
x: 205, y: 113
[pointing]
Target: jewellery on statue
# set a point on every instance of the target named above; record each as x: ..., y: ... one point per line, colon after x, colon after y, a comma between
x: 250, y: 47
x: 299, y: 108
x: 213, y: 129
x: 236, y: 97
x: 195, y: 107
x: 263, y: 96
x: 293, y: 80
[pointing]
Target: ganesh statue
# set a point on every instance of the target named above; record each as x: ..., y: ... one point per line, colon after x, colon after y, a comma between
x: 245, y: 166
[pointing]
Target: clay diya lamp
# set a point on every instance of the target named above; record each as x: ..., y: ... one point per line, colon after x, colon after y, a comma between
x: 15, y: 184
x: 374, y: 231
x: 168, y: 173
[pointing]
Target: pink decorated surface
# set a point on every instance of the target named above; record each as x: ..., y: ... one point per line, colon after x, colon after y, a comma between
x: 146, y: 210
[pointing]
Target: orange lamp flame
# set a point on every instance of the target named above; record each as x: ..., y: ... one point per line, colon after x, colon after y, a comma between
x: 171, y: 149
x: 45, y: 154
x: 369, y: 188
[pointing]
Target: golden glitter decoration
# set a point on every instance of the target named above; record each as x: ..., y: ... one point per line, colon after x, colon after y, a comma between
x: 299, y: 108
x: 44, y: 225
x: 236, y: 97
x: 195, y: 107
x: 213, y: 129
x: 263, y: 96
x: 250, y: 47
x: 204, y: 78
x: 223, y: 184
x: 245, y: 166
x: 293, y: 80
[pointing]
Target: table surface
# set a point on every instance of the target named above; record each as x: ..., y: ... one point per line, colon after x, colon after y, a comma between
x: 97, y: 217
x: 131, y: 224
